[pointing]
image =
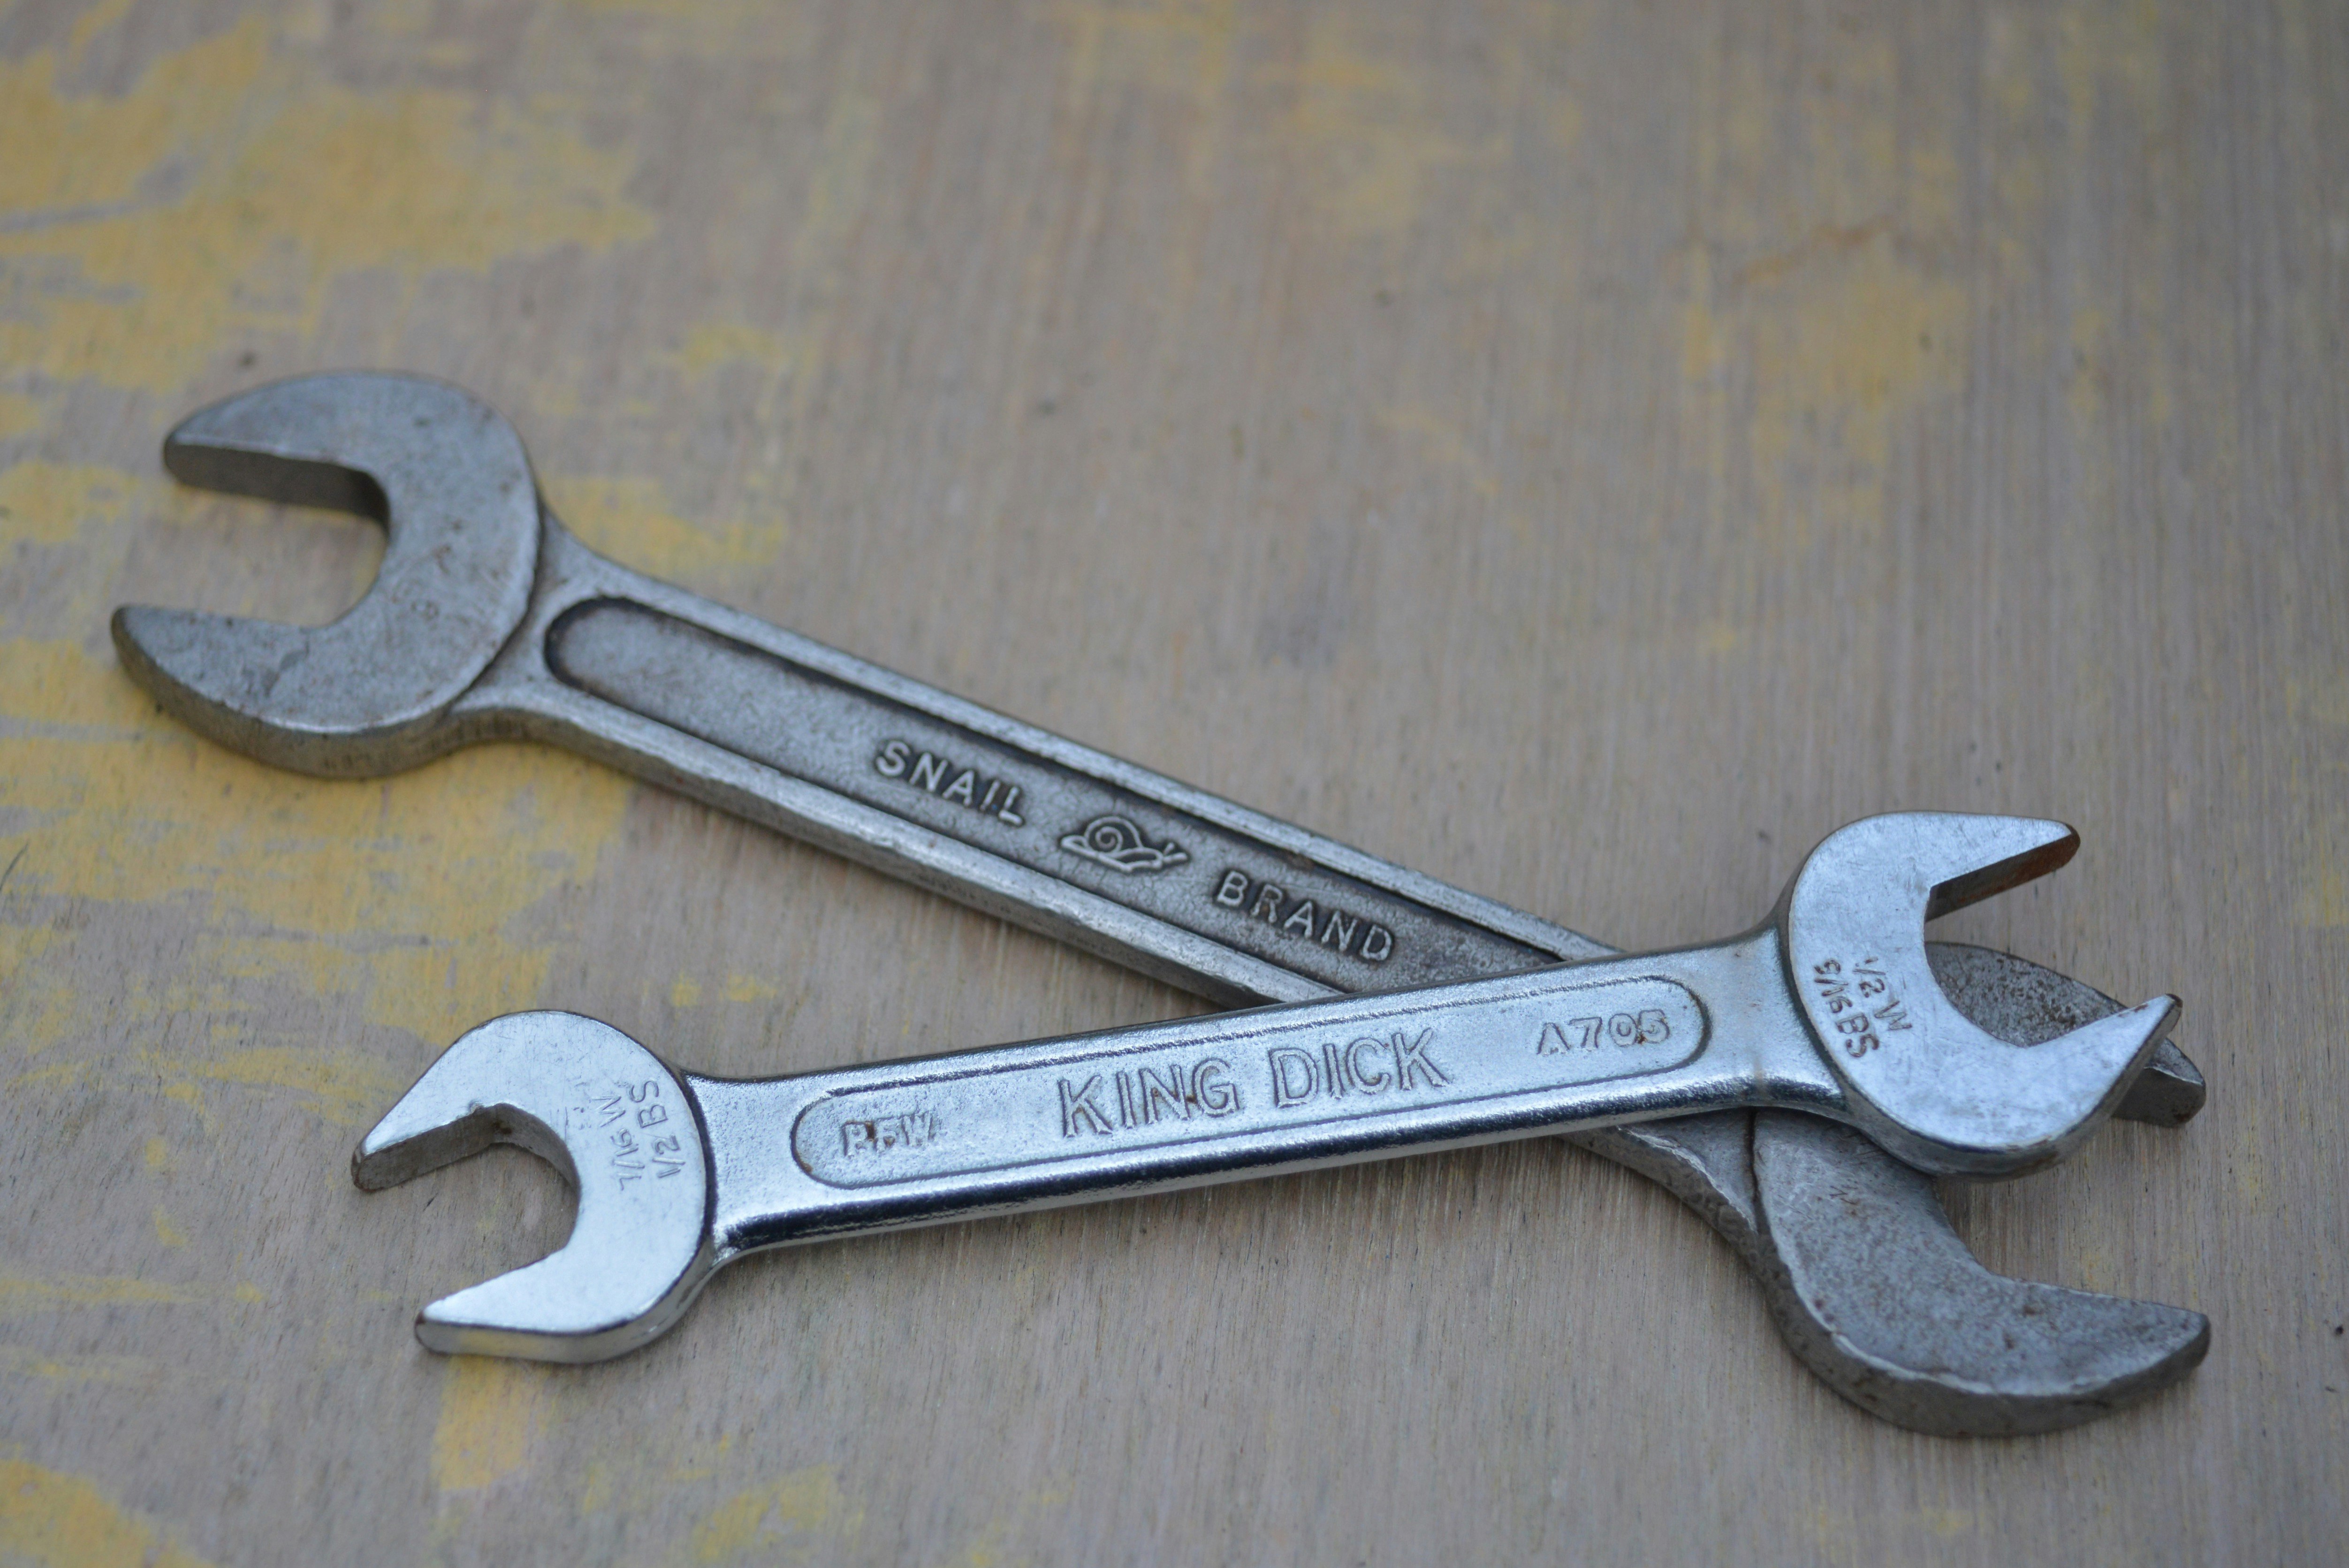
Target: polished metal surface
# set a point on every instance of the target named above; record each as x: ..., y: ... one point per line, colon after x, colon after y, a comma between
x: 680, y: 1174
x: 1062, y: 839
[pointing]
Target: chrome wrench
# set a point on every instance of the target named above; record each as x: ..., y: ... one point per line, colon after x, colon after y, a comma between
x: 1829, y: 1006
x: 488, y: 620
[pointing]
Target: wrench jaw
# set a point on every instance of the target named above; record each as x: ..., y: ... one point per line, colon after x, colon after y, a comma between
x: 1880, y: 1295
x: 447, y: 478
x: 621, y: 1128
x: 1922, y: 1079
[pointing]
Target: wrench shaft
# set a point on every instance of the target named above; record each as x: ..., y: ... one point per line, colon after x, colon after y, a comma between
x: 1044, y: 832
x: 1202, y: 1100
x: 464, y: 637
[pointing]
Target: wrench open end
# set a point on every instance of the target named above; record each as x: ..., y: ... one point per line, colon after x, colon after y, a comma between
x: 1923, y: 1079
x: 616, y: 1123
x: 372, y: 693
x: 1872, y: 1286
x: 447, y: 478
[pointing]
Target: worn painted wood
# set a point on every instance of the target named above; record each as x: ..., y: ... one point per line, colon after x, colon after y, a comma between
x: 1581, y: 451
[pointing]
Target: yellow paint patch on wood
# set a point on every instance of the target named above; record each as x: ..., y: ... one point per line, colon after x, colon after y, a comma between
x: 745, y: 988
x: 167, y: 1230
x: 715, y: 343
x: 52, y: 502
x: 231, y: 183
x: 127, y: 1370
x: 776, y: 1517
x: 98, y: 19
x: 345, y: 1087
x: 1176, y: 47
x: 631, y: 521
x: 492, y: 1412
x: 20, y: 1295
x: 989, y: 1546
x: 1366, y: 122
x: 1842, y: 337
x: 1947, y: 1522
x: 1870, y: 330
x: 408, y: 893
x: 38, y: 1004
x: 637, y: 1486
x: 2323, y: 902
x: 21, y: 415
x: 52, y: 1519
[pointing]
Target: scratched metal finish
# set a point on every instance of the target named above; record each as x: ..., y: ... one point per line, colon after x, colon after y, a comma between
x: 679, y: 1175
x: 1648, y: 428
x: 711, y: 711
x: 1230, y: 887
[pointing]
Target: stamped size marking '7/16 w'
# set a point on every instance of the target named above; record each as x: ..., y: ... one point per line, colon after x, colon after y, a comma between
x: 1261, y: 1081
x: 633, y: 1122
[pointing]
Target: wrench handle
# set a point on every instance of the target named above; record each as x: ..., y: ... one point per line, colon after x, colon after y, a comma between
x: 1041, y: 831
x: 1198, y: 1100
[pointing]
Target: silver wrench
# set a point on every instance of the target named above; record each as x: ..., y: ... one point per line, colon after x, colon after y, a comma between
x: 488, y: 620
x: 1829, y: 1007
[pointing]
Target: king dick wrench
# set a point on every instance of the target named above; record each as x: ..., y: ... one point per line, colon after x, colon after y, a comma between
x: 1829, y: 1007
x: 487, y: 621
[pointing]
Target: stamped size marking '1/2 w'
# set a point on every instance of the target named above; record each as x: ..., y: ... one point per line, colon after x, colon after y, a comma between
x: 1861, y: 1001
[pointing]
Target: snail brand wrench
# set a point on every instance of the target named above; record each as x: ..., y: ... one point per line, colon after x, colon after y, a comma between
x: 488, y: 620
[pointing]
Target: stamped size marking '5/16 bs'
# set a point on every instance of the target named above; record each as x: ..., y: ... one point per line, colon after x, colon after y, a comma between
x: 1260, y: 1082
x: 1861, y: 1001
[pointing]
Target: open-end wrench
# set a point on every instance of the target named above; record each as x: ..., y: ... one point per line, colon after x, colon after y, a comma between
x: 1829, y: 1006
x: 488, y: 620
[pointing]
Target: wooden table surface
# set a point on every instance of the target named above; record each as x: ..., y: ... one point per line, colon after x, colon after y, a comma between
x: 1584, y: 452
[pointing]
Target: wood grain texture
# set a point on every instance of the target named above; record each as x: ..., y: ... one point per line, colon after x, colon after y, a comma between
x: 1583, y: 452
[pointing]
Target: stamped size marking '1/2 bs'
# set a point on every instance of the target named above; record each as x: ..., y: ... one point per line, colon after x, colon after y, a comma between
x: 1860, y: 999
x: 934, y: 775
x: 635, y: 1126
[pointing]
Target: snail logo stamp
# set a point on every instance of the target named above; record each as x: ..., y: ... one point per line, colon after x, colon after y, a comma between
x: 1120, y: 844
